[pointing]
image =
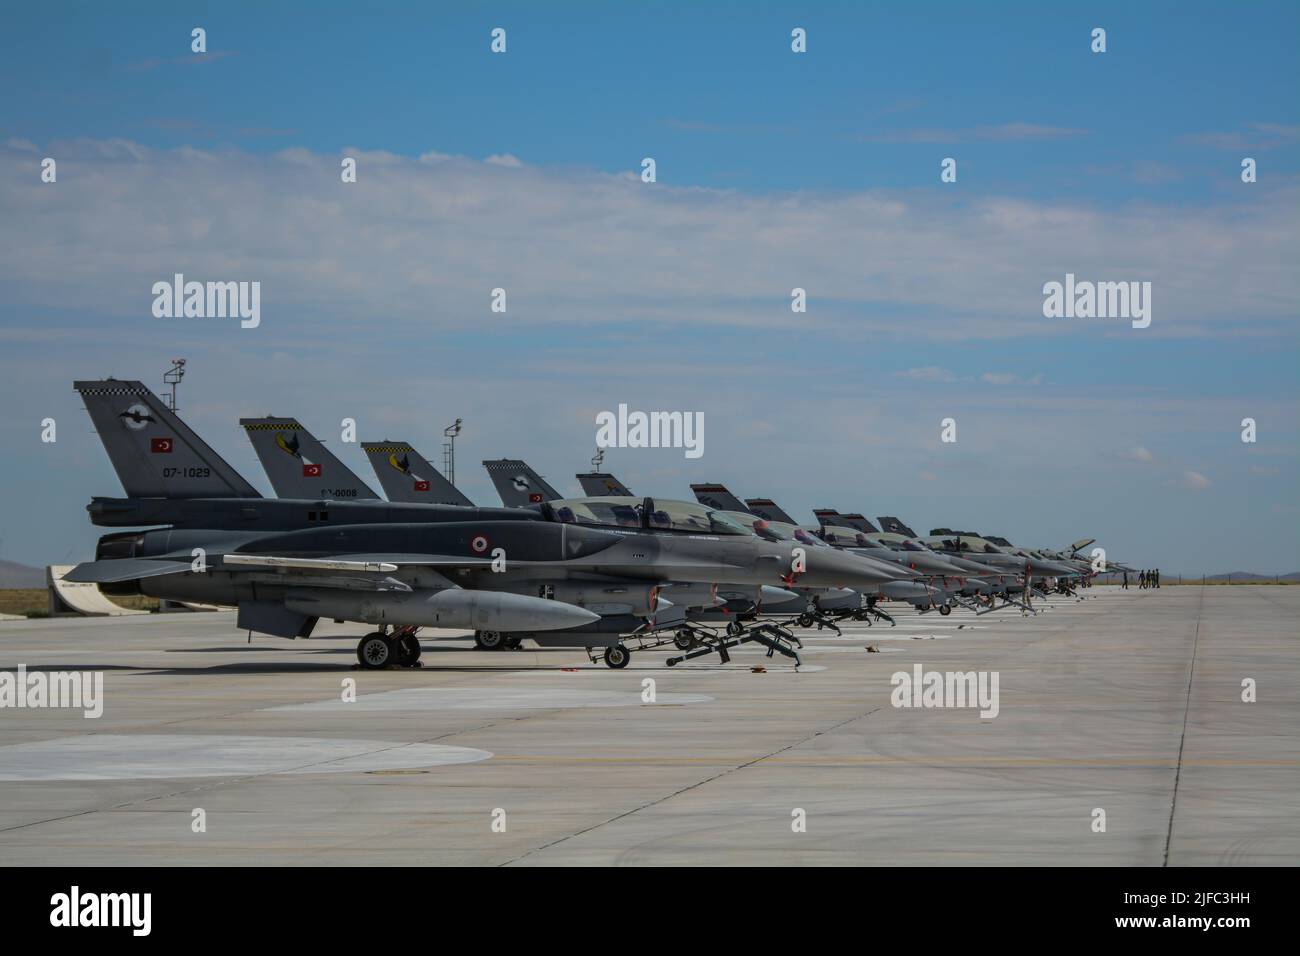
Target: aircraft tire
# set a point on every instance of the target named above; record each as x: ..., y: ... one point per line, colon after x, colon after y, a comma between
x: 375, y: 651
x: 489, y: 640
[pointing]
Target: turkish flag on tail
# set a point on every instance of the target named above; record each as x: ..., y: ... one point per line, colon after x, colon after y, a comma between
x: 421, y: 486
x: 160, y: 446
x: 311, y: 471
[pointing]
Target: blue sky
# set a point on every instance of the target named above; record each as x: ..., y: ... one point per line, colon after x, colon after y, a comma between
x: 775, y: 170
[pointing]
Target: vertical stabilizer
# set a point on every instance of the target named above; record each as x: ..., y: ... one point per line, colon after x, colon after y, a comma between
x: 599, y: 484
x: 406, y: 476
x: 517, y: 484
x: 768, y: 509
x: 717, y: 496
x: 298, y: 465
x: 154, y: 453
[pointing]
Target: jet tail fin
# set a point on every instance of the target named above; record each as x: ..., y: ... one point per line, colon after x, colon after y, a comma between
x: 597, y: 484
x: 517, y: 484
x: 859, y: 523
x: 829, y: 516
x: 406, y: 476
x: 894, y: 526
x: 298, y: 465
x: 768, y: 510
x: 155, y: 454
x: 717, y: 496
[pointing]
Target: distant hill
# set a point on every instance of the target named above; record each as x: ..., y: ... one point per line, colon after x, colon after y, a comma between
x: 1251, y: 576
x: 14, y: 575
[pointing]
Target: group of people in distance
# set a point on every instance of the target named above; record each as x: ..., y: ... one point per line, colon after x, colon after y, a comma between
x: 1146, y: 579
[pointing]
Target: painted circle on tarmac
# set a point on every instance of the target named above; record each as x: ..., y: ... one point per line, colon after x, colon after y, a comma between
x: 159, y: 756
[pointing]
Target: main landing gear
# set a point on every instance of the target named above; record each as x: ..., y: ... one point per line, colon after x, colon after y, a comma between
x: 382, y: 648
x: 496, y: 641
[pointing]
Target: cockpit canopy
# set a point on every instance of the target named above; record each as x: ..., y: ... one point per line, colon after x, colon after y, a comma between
x: 843, y: 537
x: 627, y: 512
x: 775, y: 530
x: 966, y: 544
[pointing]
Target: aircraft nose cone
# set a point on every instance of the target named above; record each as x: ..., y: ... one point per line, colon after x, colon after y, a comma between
x: 838, y: 569
x: 1053, y: 568
x: 903, y: 590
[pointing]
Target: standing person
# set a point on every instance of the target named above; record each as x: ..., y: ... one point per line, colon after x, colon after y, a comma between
x: 1125, y: 580
x: 1157, y: 577
x: 1142, y: 581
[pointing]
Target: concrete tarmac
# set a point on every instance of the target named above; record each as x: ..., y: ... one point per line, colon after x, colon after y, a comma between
x: 1128, y: 702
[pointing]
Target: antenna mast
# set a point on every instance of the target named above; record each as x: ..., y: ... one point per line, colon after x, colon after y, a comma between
x: 172, y: 377
x: 449, y: 450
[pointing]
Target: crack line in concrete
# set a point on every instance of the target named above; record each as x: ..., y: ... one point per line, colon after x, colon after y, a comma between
x: 1182, y: 740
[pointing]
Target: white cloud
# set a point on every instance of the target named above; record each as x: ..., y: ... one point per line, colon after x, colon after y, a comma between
x: 428, y: 238
x: 1139, y: 453
x: 927, y: 373
x: 504, y: 159
x: 1194, y: 479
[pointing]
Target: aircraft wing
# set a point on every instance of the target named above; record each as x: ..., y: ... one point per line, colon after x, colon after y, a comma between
x: 123, y: 569
x: 379, y: 561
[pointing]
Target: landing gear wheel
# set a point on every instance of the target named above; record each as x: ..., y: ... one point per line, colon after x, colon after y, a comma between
x: 806, y: 619
x: 734, y: 628
x: 489, y: 640
x: 617, y: 657
x: 683, y: 642
x: 408, y: 650
x: 375, y: 651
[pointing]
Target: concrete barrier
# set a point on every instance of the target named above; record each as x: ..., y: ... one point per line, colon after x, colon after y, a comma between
x: 67, y: 597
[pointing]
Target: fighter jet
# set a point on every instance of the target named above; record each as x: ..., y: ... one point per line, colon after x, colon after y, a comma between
x: 561, y: 568
x: 517, y: 483
x: 855, y: 531
x: 172, y: 477
x: 905, y: 586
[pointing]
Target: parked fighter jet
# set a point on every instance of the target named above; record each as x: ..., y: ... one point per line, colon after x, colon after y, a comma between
x: 516, y: 481
x: 906, y: 586
x: 172, y: 477
x: 856, y: 532
x: 522, y: 571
